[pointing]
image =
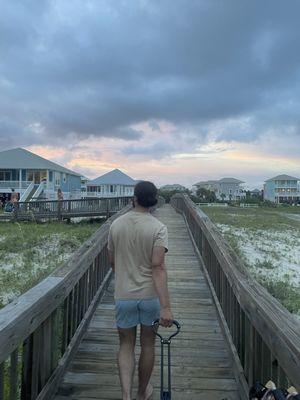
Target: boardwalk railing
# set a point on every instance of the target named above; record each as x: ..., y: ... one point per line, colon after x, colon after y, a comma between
x: 264, y: 337
x: 40, y: 331
x: 69, y: 208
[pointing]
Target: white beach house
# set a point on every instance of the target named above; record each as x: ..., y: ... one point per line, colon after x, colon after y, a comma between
x: 225, y: 188
x: 112, y: 184
x: 34, y: 177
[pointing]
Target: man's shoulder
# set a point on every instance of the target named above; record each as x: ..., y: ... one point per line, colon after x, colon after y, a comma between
x: 156, y: 222
x: 119, y: 220
x: 151, y: 220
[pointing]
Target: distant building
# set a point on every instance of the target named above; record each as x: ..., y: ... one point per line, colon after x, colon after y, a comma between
x: 112, y: 184
x: 173, y: 188
x: 34, y: 177
x: 225, y: 188
x: 208, y: 185
x: 282, y: 189
x: 255, y: 193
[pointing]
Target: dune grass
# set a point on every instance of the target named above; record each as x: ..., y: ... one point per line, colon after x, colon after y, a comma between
x: 29, y: 251
x: 268, y: 242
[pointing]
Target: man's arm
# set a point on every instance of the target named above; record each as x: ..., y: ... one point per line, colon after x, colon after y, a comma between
x: 159, y: 275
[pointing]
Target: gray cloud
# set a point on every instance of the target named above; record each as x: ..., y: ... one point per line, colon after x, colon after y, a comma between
x: 156, y: 150
x: 96, y: 68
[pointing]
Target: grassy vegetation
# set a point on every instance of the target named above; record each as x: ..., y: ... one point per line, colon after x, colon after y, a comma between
x: 255, y: 218
x: 30, y: 251
x: 268, y: 241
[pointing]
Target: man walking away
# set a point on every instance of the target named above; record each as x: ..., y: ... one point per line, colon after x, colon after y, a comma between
x: 137, y: 245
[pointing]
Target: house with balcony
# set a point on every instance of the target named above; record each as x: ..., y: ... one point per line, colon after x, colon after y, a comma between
x: 226, y: 189
x: 34, y: 177
x: 112, y: 184
x: 282, y: 189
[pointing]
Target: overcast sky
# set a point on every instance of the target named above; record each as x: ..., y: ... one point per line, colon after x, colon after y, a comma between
x: 168, y: 90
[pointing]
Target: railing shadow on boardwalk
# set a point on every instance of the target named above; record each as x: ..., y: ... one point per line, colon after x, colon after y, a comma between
x: 264, y: 336
x: 41, y: 331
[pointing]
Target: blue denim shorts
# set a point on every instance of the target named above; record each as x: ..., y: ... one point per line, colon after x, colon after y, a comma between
x: 130, y: 313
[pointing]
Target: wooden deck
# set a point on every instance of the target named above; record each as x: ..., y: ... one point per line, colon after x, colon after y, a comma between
x: 201, y: 364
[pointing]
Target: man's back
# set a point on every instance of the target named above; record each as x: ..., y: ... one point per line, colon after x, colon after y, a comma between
x: 132, y: 238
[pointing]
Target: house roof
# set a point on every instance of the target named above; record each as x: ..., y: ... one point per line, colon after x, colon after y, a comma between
x: 23, y: 159
x: 211, y: 182
x: 115, y: 177
x: 283, y: 178
x: 230, y: 180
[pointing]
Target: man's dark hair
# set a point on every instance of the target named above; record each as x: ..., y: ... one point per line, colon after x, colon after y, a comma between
x: 146, y: 193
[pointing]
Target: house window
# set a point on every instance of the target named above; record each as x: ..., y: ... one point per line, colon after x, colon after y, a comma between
x: 64, y: 178
x: 111, y: 188
x: 50, y: 176
x: 5, y: 176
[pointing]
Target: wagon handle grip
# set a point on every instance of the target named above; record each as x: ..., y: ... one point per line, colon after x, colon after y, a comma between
x: 156, y: 323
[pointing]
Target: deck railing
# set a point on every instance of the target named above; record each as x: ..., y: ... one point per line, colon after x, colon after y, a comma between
x: 40, y: 331
x: 70, y: 208
x: 14, y: 184
x: 263, y: 335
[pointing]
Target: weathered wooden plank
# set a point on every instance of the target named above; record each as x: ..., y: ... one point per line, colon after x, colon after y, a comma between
x: 1, y: 381
x: 26, y: 369
x: 13, y: 376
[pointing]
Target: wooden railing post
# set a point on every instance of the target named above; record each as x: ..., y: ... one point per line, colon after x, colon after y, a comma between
x: 59, y: 205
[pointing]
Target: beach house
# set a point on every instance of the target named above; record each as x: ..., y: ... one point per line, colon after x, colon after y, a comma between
x: 282, y: 189
x: 227, y: 189
x: 112, y: 184
x: 34, y: 177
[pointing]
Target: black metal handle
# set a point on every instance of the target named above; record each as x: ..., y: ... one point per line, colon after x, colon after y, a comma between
x: 166, y: 340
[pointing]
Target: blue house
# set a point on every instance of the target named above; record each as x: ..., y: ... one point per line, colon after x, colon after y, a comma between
x: 34, y: 177
x: 282, y: 189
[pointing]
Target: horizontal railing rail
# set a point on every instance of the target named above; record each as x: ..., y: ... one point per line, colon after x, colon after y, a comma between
x: 14, y: 184
x: 40, y: 331
x: 265, y: 335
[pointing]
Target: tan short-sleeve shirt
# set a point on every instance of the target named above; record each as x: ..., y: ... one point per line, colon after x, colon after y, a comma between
x: 131, y: 239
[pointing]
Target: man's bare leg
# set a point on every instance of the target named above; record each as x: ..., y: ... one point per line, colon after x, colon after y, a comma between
x: 126, y: 360
x: 146, y: 362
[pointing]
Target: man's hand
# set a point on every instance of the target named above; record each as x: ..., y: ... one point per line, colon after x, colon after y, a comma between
x: 166, y: 317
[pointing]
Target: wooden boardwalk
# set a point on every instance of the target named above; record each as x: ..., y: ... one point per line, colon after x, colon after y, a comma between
x: 201, y: 364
